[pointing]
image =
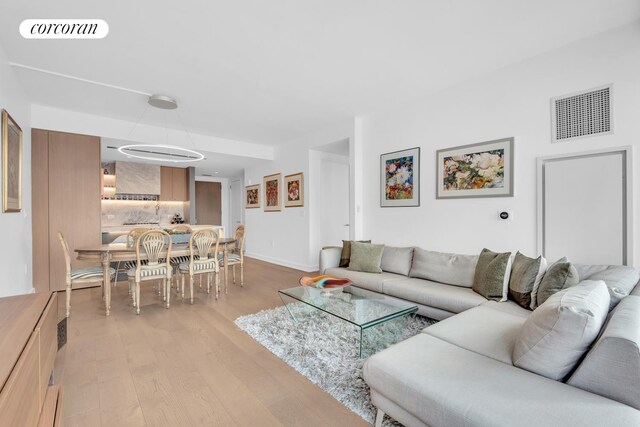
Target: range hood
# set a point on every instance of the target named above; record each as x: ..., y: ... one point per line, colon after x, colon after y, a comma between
x: 137, y: 178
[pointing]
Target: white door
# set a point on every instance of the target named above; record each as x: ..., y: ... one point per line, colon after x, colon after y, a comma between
x: 235, y: 200
x: 584, y: 208
x: 334, y: 203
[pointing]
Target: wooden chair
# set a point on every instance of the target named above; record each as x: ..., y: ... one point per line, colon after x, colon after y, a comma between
x: 120, y: 266
x: 152, y: 243
x: 175, y: 261
x: 204, y: 262
x: 80, y: 275
x: 236, y: 255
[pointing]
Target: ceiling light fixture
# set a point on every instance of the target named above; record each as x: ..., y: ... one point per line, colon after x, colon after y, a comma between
x: 161, y: 152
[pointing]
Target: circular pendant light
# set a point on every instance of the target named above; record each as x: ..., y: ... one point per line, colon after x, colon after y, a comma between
x: 161, y: 152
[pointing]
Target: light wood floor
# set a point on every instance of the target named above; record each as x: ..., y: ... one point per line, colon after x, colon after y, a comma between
x: 186, y: 366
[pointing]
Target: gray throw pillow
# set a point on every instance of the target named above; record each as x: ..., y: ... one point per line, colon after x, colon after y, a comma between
x: 366, y: 257
x: 620, y: 279
x: 526, y: 273
x: 397, y: 260
x: 345, y: 255
x: 452, y: 269
x: 559, y: 332
x: 492, y: 275
x: 560, y: 275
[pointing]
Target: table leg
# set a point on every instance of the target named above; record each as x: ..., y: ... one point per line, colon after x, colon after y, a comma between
x: 106, y: 282
x: 226, y: 269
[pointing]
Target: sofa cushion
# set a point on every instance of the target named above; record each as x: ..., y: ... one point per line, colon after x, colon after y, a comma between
x: 483, y: 330
x: 491, y: 279
x: 397, y: 260
x: 620, y: 279
x: 612, y: 367
x: 526, y: 273
x: 442, y: 384
x: 509, y: 307
x: 442, y: 267
x: 369, y: 281
x: 454, y: 299
x: 366, y: 257
x: 560, y: 275
x: 345, y: 255
x: 558, y: 333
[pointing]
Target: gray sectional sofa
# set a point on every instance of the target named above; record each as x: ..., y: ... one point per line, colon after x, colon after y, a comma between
x: 461, y: 372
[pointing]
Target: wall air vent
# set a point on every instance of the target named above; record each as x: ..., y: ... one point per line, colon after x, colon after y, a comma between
x: 580, y: 114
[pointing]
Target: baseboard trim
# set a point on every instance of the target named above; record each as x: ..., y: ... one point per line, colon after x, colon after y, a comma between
x: 284, y: 263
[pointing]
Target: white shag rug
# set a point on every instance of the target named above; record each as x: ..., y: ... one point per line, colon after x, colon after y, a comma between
x: 325, y: 350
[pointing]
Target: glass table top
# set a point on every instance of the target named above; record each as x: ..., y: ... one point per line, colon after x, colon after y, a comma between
x: 355, y: 305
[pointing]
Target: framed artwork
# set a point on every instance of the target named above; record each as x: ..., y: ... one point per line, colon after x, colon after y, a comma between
x: 252, y: 196
x: 400, y: 178
x: 484, y: 169
x: 272, y: 196
x: 11, y: 164
x: 294, y: 190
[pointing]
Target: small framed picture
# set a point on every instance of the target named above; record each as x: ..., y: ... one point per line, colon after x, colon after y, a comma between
x: 294, y: 190
x: 11, y: 164
x: 484, y: 169
x: 400, y: 178
x: 252, y: 196
x: 272, y: 197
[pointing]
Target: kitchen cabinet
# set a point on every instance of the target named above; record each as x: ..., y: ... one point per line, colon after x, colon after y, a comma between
x: 65, y: 194
x: 173, y: 184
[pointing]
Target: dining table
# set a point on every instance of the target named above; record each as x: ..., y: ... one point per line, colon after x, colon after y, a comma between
x: 117, y: 252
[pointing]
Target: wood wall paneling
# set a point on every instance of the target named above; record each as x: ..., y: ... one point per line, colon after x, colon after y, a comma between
x: 74, y: 199
x: 166, y: 183
x: 40, y: 208
x: 180, y: 181
x: 208, y: 203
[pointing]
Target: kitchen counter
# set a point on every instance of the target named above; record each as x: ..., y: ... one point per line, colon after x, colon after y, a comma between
x: 111, y: 232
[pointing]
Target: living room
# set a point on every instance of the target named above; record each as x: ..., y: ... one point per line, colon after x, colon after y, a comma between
x: 377, y: 79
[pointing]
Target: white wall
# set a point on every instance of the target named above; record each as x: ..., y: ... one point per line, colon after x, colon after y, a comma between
x: 15, y: 249
x: 279, y: 237
x: 286, y: 237
x: 512, y: 102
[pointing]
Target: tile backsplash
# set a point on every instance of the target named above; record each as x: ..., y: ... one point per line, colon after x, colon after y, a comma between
x: 119, y: 212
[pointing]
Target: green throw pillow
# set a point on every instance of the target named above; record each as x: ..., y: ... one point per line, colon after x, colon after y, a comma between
x: 345, y: 256
x: 560, y: 275
x: 526, y: 273
x: 492, y: 275
x: 366, y: 257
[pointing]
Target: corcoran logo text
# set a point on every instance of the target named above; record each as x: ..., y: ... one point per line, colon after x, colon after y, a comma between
x: 64, y: 29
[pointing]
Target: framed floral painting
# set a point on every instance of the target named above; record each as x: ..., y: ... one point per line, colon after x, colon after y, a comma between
x: 252, y: 196
x: 294, y: 190
x: 272, y: 196
x: 400, y: 178
x: 11, y: 164
x: 484, y: 169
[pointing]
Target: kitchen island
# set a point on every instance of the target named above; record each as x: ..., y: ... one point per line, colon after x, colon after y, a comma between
x: 112, y: 232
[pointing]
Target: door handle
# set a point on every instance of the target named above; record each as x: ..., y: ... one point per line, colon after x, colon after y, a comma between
x: 346, y: 225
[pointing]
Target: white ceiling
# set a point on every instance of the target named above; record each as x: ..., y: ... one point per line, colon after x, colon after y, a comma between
x: 268, y: 71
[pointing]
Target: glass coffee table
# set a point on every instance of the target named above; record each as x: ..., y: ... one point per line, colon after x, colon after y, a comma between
x: 359, y: 307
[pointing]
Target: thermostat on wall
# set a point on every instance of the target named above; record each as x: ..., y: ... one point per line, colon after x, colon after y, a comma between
x: 505, y: 215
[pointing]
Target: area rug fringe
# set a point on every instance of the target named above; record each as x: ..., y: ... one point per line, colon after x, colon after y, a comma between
x: 324, y: 349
